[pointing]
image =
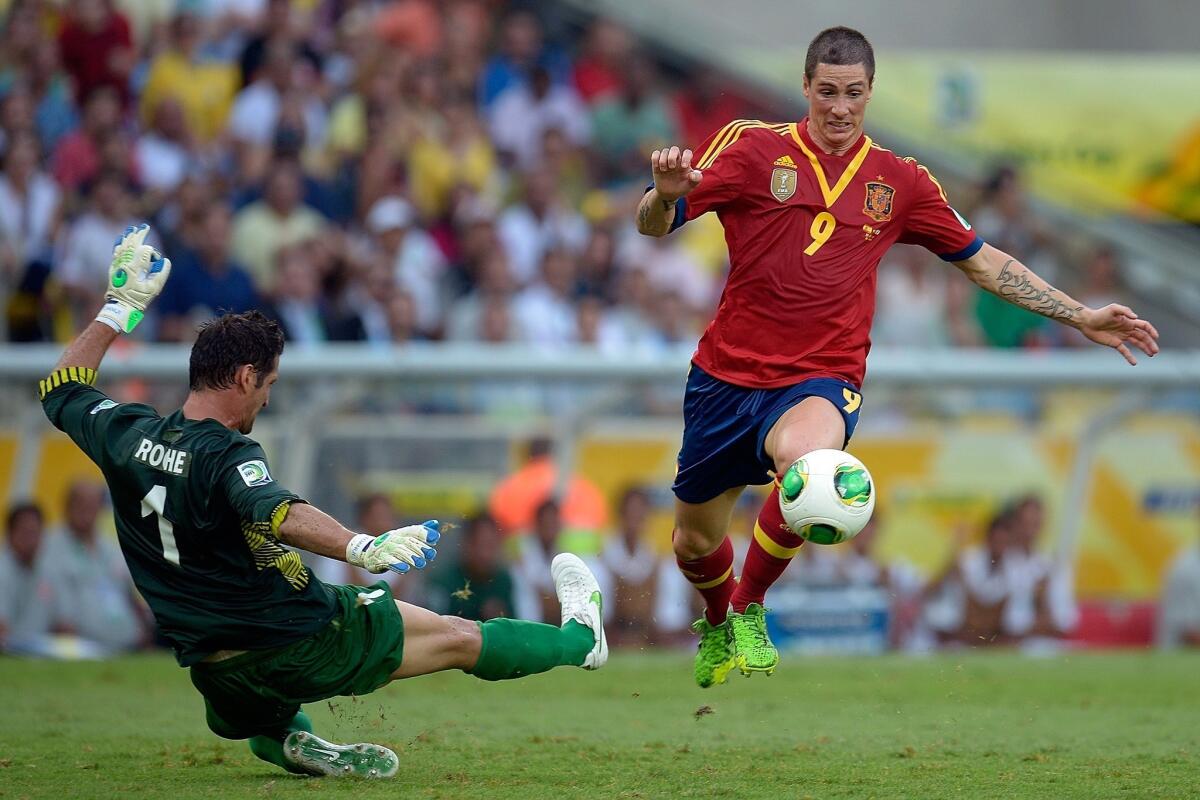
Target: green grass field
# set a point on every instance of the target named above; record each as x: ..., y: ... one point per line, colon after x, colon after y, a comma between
x: 970, y: 725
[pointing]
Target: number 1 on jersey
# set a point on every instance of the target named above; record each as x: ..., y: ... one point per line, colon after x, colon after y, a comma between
x: 153, y: 503
x: 822, y: 228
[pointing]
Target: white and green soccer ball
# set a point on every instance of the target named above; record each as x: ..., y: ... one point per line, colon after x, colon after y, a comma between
x: 827, y: 496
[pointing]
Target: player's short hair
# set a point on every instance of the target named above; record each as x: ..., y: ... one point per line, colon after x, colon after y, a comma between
x: 840, y: 46
x: 230, y: 341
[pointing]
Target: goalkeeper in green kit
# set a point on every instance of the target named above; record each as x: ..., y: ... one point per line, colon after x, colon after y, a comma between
x: 203, y: 526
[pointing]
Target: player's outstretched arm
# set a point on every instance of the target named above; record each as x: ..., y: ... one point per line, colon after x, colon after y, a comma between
x: 400, y: 550
x: 674, y: 178
x: 136, y: 275
x: 1114, y: 326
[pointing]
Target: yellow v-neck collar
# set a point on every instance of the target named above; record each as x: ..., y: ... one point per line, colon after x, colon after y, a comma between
x: 832, y: 194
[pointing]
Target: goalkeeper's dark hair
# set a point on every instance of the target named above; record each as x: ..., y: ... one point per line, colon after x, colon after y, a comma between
x: 230, y: 341
x: 840, y: 46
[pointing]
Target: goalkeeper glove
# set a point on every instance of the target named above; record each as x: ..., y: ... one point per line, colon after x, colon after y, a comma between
x: 399, y: 550
x: 137, y: 274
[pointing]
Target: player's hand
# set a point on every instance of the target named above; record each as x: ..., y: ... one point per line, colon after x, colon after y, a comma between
x: 674, y: 176
x: 1116, y: 326
x: 136, y: 276
x: 400, y: 550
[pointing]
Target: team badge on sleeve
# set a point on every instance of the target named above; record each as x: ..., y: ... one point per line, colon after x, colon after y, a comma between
x: 254, y: 473
x: 879, y: 201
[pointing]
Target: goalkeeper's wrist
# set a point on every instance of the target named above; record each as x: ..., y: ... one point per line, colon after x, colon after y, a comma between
x: 120, y: 316
x: 356, y: 547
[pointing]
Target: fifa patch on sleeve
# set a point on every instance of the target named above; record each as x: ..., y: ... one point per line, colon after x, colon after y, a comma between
x: 103, y: 405
x: 254, y: 473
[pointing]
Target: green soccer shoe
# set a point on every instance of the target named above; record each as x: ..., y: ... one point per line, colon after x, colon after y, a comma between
x: 316, y: 756
x: 714, y: 656
x: 753, y: 650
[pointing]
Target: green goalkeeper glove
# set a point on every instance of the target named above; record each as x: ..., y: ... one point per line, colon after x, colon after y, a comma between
x: 137, y: 274
x: 399, y: 550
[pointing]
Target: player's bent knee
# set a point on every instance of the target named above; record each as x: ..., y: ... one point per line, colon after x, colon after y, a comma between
x: 690, y: 543
x: 462, y: 642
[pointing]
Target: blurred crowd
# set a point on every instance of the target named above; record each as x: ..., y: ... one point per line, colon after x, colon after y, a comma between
x: 386, y: 172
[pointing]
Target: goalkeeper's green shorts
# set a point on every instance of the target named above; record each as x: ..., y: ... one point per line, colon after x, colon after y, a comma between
x: 259, y: 692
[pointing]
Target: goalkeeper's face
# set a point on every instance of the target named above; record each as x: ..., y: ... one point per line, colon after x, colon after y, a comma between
x: 258, y: 394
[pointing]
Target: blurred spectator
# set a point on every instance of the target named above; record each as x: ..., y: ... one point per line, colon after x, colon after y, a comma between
x: 647, y: 599
x: 461, y: 158
x: 418, y: 264
x: 540, y: 223
x: 277, y: 220
x: 545, y: 310
x: 919, y: 303
x: 477, y: 585
x: 1179, y: 606
x: 54, y: 114
x: 628, y: 126
x: 411, y: 25
x: 521, y: 49
x: 524, y: 112
x: 97, y: 48
x: 276, y: 21
x: 305, y: 313
x: 705, y: 105
x: 536, y: 548
x: 203, y: 87
x: 205, y: 280
x: 1005, y: 592
x: 30, y: 215
x: 82, y: 268
x: 515, y: 499
x: 78, y: 155
x: 100, y: 606
x: 493, y: 286
x: 1005, y: 221
x: 597, y: 73
x: 256, y: 109
x: 596, y: 327
x: 26, y: 594
x: 164, y: 152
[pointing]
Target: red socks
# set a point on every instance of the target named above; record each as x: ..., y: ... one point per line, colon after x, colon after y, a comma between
x: 712, y: 575
x: 772, y: 547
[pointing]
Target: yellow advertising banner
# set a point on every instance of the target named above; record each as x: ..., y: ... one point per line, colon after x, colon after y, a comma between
x: 1098, y: 132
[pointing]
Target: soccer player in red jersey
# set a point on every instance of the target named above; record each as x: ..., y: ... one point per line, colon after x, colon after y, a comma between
x: 809, y: 208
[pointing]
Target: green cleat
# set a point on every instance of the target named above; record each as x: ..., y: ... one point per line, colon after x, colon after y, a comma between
x: 316, y: 756
x: 753, y: 649
x: 714, y: 657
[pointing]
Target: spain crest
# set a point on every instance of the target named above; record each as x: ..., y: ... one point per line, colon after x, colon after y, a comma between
x: 783, y: 183
x: 879, y: 201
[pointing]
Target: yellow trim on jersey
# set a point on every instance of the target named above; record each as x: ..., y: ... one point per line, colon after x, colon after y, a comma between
x: 65, y: 375
x: 832, y: 194
x: 730, y: 134
x: 715, y: 582
x: 773, y: 547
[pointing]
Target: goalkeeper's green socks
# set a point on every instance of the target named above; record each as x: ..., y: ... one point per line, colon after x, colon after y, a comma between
x: 270, y: 748
x: 514, y: 648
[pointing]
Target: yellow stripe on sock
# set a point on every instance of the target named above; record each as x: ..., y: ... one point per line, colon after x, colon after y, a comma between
x: 772, y: 547
x: 716, y: 582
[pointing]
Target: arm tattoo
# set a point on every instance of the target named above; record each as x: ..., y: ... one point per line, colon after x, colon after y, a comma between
x: 643, y: 215
x: 1015, y: 287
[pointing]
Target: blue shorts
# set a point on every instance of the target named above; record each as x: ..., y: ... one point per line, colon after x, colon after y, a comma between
x: 726, y: 426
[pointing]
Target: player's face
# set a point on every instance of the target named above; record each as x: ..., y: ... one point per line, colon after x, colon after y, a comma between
x: 837, y: 99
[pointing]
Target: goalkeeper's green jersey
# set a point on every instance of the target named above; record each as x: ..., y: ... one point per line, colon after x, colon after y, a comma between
x: 194, y: 504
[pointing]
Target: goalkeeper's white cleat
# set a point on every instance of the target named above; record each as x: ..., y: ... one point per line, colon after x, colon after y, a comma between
x: 316, y: 756
x: 579, y: 596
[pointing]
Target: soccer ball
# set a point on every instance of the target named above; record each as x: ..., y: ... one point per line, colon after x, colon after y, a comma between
x: 827, y: 496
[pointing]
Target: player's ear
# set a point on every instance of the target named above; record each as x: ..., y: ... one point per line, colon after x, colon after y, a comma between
x: 246, y: 378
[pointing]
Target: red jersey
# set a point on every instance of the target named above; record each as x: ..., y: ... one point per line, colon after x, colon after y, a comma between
x: 806, y: 231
